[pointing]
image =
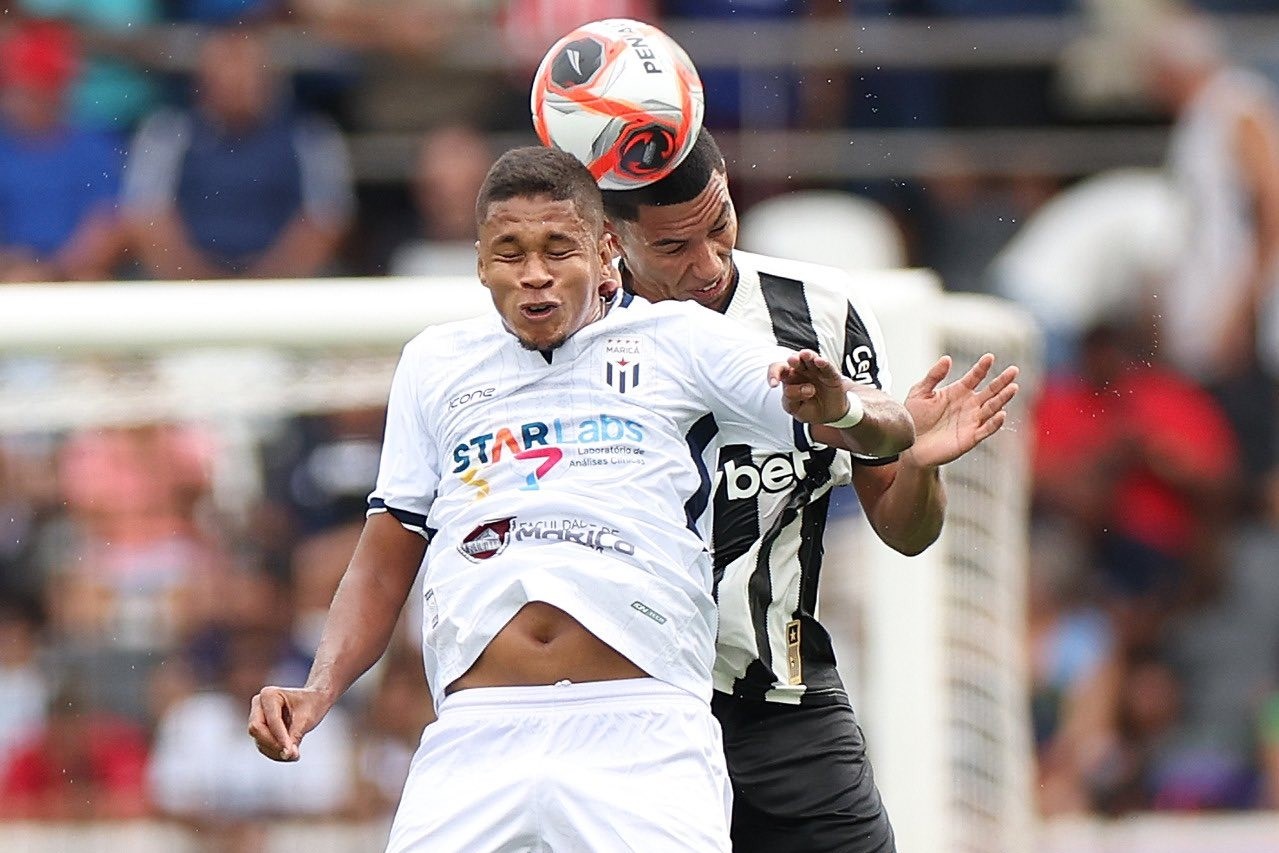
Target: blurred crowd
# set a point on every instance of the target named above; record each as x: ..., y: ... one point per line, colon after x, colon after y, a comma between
x: 194, y: 139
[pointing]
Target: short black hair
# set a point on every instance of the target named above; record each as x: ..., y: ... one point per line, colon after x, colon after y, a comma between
x: 537, y: 171
x: 683, y: 184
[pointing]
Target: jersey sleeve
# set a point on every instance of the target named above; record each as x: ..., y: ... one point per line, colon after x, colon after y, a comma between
x: 730, y: 367
x: 409, y: 472
x: 863, y: 359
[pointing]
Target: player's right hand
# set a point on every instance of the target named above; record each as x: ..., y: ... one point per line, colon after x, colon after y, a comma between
x: 279, y: 717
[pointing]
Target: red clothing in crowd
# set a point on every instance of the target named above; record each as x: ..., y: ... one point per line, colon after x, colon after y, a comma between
x: 1159, y: 429
x: 91, y: 768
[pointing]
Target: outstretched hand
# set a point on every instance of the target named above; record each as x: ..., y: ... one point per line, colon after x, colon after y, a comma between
x: 952, y: 420
x: 812, y: 387
x: 280, y: 716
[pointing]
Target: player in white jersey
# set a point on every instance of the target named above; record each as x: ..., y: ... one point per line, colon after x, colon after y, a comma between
x: 550, y: 465
x: 798, y: 764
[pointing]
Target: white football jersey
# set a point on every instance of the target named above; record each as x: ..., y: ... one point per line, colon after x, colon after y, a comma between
x: 579, y: 477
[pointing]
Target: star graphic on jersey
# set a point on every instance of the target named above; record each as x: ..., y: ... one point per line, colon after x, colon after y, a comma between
x: 473, y: 478
x: 622, y: 363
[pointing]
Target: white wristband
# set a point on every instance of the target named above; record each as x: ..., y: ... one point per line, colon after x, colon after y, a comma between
x: 856, y: 411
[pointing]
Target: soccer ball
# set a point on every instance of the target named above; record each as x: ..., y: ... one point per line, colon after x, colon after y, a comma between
x: 622, y: 97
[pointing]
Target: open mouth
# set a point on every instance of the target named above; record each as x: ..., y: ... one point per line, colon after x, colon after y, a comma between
x: 713, y: 288
x: 538, y: 310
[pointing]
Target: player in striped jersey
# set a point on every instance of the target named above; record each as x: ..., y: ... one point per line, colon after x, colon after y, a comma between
x: 800, y: 774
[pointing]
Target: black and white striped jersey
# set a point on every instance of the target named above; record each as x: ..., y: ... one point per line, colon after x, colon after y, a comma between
x: 770, y: 508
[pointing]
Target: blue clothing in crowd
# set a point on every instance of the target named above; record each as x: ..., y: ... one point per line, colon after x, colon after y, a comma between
x: 50, y: 183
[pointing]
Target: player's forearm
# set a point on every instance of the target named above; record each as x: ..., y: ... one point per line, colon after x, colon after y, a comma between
x: 885, y: 429
x: 366, y: 606
x: 908, y: 516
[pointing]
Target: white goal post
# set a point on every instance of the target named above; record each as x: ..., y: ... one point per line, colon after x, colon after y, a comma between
x: 933, y: 646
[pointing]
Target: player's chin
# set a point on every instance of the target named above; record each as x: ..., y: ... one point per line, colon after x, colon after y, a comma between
x: 541, y: 339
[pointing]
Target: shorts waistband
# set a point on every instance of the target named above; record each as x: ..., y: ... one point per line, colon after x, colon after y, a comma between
x: 569, y: 696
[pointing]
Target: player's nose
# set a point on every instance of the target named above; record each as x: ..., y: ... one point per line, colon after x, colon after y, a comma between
x: 535, y: 274
x: 708, y: 266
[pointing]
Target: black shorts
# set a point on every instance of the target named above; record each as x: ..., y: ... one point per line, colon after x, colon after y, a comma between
x: 801, y: 779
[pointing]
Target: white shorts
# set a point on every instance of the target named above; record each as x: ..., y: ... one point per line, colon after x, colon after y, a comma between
x: 628, y: 765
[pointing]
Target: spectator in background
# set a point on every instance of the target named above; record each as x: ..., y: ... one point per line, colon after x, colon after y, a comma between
x: 240, y: 186
x: 740, y: 97
x: 205, y: 771
x: 1224, y: 157
x: 1149, y: 480
x: 58, y: 183
x: 530, y: 27
x: 318, y: 471
x: 399, y: 27
x: 225, y: 12
x: 966, y: 215
x: 398, y: 710
x: 1125, y: 776
x: 109, y: 93
x: 138, y: 575
x: 82, y: 764
x: 29, y: 498
x: 1088, y: 255
x: 24, y: 687
x: 1268, y: 734
x: 451, y: 165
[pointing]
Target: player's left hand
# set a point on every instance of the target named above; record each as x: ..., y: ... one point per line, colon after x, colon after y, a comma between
x: 952, y: 420
x: 812, y: 387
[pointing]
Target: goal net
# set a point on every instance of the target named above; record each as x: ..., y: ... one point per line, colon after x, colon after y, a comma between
x: 933, y: 646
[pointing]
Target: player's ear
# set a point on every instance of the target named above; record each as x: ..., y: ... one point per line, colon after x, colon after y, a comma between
x: 606, y: 249
x: 479, y: 264
x: 610, y: 279
x: 611, y: 230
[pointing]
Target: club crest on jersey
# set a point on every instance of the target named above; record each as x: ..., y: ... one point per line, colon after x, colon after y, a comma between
x: 622, y: 358
x: 487, y: 540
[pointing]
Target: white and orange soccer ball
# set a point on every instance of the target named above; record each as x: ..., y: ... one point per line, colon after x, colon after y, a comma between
x: 622, y: 97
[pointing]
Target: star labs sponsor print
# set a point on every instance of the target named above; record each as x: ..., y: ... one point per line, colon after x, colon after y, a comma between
x: 538, y: 449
